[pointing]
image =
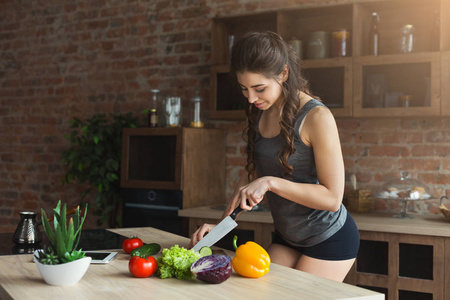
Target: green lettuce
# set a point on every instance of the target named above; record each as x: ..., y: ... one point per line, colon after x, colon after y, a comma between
x: 176, y: 262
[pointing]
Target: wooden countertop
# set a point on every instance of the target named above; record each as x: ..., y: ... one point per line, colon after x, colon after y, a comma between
x: 431, y: 225
x: 20, y: 279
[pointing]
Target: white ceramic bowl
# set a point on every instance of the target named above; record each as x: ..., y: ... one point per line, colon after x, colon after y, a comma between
x: 64, y: 274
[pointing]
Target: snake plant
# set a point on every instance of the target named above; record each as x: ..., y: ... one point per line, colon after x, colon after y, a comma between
x: 63, y: 237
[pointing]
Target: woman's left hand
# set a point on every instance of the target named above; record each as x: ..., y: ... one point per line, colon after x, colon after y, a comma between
x: 251, y: 194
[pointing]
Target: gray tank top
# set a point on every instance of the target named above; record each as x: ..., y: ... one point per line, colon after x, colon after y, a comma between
x: 297, y: 224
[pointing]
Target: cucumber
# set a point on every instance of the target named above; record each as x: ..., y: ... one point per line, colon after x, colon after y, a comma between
x: 146, y: 250
x: 205, y: 251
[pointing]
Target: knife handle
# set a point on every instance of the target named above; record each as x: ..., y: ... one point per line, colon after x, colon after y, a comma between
x: 237, y: 210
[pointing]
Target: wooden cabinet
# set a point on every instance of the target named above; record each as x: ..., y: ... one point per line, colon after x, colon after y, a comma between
x: 191, y: 160
x: 445, y: 102
x: 359, y: 85
x: 402, y: 266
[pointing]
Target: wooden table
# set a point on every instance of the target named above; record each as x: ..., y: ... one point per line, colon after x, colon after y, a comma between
x: 20, y: 279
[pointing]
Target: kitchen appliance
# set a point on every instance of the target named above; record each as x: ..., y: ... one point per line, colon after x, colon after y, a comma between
x: 154, y: 208
x: 218, y: 232
x: 27, y: 232
x: 167, y: 169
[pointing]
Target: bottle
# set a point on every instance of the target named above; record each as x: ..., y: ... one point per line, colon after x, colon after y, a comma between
x: 196, y: 112
x: 153, y: 112
x: 374, y: 36
x: 152, y: 118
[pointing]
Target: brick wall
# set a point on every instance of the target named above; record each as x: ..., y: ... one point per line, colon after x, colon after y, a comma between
x: 61, y: 59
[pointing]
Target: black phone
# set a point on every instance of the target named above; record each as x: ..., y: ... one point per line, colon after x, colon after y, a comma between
x: 101, y: 257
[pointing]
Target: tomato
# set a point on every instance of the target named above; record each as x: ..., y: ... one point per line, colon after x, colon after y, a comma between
x: 142, y: 267
x: 132, y: 243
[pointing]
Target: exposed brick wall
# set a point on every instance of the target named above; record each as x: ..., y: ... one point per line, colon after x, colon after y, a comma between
x: 60, y: 59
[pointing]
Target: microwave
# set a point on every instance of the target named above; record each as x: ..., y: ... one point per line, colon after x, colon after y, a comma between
x: 190, y: 160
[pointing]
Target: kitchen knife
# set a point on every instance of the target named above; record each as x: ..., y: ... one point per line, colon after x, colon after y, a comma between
x: 218, y: 232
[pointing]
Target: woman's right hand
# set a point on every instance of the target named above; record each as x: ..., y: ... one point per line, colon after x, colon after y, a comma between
x: 200, y: 233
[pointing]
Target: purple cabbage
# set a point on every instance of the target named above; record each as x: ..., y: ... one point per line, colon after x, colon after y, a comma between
x: 212, y: 268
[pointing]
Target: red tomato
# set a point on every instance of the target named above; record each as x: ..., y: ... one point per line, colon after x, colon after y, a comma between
x: 142, y: 267
x: 132, y: 243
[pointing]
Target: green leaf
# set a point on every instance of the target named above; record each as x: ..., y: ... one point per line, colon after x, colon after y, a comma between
x: 95, y: 139
x: 48, y: 229
x: 70, y: 236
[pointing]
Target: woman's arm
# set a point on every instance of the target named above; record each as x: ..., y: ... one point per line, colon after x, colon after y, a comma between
x: 206, y: 228
x: 320, y: 132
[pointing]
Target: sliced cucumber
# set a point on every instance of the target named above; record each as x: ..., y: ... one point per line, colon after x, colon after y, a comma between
x: 205, y: 251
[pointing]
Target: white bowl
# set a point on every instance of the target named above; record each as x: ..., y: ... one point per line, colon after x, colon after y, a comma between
x: 63, y: 274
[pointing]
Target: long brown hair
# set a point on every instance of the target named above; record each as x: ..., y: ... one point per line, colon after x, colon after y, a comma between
x: 266, y: 53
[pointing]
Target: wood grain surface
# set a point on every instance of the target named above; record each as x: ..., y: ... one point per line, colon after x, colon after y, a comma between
x: 20, y: 279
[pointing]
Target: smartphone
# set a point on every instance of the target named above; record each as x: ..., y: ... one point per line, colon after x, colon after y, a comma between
x: 99, y: 257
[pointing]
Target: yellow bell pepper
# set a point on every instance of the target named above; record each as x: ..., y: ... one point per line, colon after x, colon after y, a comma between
x: 251, y: 260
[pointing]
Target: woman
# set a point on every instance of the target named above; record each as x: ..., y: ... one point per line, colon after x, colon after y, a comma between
x: 294, y: 159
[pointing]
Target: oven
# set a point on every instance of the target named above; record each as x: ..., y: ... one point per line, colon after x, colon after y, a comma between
x: 154, y: 208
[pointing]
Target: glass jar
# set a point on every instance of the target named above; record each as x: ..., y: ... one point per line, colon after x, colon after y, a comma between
x: 172, y: 110
x: 196, y: 119
x: 318, y: 45
x: 340, y: 43
x: 407, y: 39
x: 404, y: 100
x: 296, y: 45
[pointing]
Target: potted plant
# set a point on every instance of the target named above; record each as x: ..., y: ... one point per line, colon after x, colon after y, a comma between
x: 95, y: 158
x: 60, y: 263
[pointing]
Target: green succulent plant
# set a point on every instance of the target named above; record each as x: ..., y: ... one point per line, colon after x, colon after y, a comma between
x: 63, y: 237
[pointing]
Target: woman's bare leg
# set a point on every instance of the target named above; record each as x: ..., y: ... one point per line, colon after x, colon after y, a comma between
x: 283, y: 255
x: 331, y: 269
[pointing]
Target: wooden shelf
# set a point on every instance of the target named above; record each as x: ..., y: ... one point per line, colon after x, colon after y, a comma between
x: 331, y: 80
x: 401, y: 74
x: 430, y: 56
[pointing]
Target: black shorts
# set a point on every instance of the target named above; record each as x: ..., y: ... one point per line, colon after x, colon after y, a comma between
x: 343, y: 245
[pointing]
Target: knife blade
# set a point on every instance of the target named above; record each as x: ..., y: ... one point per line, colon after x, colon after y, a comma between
x: 218, y: 232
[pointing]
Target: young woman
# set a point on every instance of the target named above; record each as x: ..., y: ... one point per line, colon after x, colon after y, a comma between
x: 294, y: 159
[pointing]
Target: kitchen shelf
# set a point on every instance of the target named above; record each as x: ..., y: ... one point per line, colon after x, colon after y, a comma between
x: 223, y: 27
x: 300, y: 22
x: 331, y: 80
x: 423, y: 15
x: 345, y: 88
x: 229, y: 101
x: 380, y: 80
